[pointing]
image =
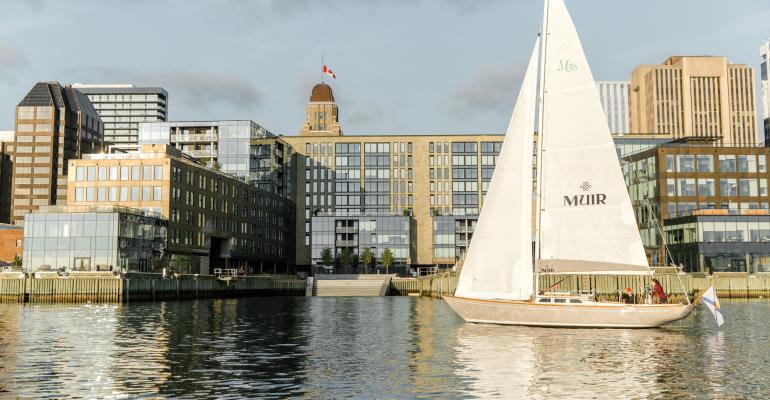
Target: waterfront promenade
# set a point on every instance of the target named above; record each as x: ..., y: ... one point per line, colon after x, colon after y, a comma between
x: 108, y: 288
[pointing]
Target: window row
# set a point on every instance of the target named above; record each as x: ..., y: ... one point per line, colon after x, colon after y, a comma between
x: 123, y: 173
x: 123, y: 194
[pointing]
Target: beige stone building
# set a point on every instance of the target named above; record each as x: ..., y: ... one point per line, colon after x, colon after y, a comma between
x: 437, y: 180
x: 215, y: 219
x: 54, y: 125
x: 695, y: 96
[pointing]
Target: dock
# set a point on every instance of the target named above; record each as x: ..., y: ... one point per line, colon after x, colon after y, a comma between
x: 728, y: 285
x: 15, y: 287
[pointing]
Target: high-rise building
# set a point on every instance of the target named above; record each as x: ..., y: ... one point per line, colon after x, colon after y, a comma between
x: 122, y: 108
x: 695, y: 96
x: 418, y: 195
x: 614, y: 98
x: 711, y: 204
x: 215, y: 220
x: 6, y: 175
x: 241, y: 148
x: 764, y: 54
x: 54, y: 125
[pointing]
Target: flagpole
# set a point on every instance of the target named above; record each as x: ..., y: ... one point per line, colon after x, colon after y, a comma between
x: 322, y: 68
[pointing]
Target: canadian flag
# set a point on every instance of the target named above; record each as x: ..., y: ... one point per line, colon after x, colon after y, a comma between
x: 329, y: 72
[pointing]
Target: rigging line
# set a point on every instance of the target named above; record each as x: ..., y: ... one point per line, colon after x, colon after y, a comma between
x: 662, y: 238
x: 539, y: 162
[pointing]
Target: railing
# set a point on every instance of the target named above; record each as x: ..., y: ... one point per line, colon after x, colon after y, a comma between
x: 225, y: 272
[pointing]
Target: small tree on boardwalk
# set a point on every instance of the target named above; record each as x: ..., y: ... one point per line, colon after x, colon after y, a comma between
x: 367, y: 257
x: 327, y: 257
x: 346, y: 258
x: 387, y: 259
x: 16, y: 261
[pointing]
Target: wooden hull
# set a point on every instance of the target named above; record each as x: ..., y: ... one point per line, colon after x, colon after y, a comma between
x: 600, y: 315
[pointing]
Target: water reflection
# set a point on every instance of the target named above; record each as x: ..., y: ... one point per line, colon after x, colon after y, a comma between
x: 366, y: 348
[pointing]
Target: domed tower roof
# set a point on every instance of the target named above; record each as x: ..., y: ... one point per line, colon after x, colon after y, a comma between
x: 322, y: 92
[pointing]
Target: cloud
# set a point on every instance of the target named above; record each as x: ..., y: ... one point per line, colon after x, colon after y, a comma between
x: 363, y: 116
x: 197, y: 90
x: 492, y: 89
x: 11, y: 59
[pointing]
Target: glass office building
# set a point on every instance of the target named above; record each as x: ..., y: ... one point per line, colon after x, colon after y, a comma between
x: 103, y: 238
x: 720, y: 243
x: 240, y: 148
x: 122, y: 108
x: 356, y: 233
x: 679, y: 180
x: 452, y: 235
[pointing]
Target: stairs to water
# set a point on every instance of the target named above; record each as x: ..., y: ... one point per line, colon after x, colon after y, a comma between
x: 351, y: 285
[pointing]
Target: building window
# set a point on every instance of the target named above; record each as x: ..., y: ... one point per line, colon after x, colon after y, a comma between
x: 135, y: 173
x: 78, y: 195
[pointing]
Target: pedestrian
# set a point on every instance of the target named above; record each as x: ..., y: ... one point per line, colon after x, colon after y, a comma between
x: 658, y: 293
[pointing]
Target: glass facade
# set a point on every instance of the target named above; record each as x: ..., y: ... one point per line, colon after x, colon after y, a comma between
x: 112, y: 239
x: 730, y: 243
x: 356, y: 233
x: 451, y: 237
x: 240, y: 148
x: 678, y: 180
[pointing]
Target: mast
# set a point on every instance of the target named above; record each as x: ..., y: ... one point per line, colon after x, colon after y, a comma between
x: 540, y: 134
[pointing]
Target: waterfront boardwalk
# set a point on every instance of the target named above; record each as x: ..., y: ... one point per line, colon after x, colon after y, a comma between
x: 104, y: 287
x: 728, y: 285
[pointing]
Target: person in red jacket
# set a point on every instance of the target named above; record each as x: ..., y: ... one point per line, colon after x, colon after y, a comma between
x: 657, y: 292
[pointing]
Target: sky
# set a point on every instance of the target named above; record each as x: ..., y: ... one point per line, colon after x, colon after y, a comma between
x: 402, y: 66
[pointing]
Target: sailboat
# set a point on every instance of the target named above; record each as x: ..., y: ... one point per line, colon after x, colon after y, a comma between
x: 584, y: 223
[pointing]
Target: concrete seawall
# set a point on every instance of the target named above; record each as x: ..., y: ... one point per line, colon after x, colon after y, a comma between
x: 727, y: 285
x: 76, y: 288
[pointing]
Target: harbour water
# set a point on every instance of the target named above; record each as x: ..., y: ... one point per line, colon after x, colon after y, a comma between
x: 385, y: 347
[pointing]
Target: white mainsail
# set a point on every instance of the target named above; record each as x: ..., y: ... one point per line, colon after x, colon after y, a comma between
x: 586, y: 213
x: 498, y: 263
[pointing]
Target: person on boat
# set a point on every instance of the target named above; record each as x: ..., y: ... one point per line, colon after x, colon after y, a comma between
x: 658, y: 293
x: 628, y: 296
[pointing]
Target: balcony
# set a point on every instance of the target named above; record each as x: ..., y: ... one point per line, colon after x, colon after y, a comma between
x: 204, y: 137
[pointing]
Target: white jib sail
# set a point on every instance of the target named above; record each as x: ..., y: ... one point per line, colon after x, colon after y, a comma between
x: 498, y: 264
x: 586, y: 212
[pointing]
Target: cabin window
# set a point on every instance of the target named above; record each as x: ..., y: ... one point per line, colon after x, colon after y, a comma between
x: 544, y: 301
x: 575, y: 301
x: 559, y: 300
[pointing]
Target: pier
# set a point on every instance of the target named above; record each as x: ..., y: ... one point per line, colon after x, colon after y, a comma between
x: 108, y: 288
x: 735, y: 285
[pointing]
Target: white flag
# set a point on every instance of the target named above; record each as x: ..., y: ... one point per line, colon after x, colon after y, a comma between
x: 709, y: 298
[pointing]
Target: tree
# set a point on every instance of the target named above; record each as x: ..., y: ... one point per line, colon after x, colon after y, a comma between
x: 346, y: 258
x: 16, y: 262
x: 327, y: 258
x: 387, y: 259
x: 367, y: 257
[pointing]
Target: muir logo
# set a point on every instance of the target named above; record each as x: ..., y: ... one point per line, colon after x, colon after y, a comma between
x: 586, y: 199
